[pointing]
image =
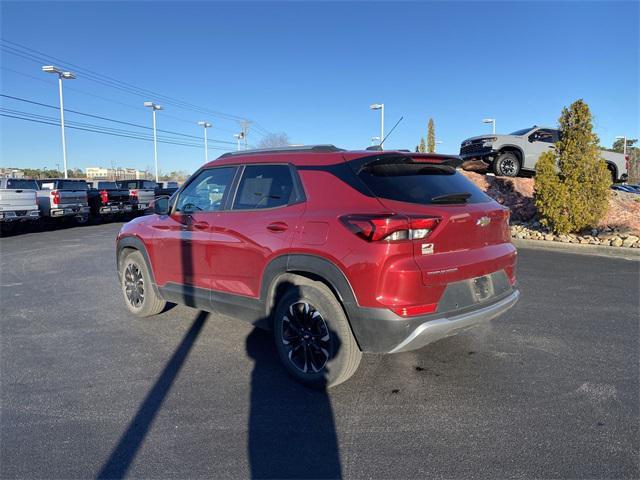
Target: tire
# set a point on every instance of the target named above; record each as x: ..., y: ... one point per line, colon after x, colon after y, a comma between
x: 506, y: 165
x: 7, y: 228
x: 612, y: 171
x: 81, y: 219
x: 140, y: 297
x: 326, y: 354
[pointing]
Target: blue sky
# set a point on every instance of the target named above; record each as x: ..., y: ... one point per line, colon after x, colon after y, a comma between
x: 312, y: 69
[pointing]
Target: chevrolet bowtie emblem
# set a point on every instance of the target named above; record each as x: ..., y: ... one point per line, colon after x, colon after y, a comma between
x: 483, y: 221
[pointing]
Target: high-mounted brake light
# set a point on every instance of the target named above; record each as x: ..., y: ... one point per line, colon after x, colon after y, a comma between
x: 389, y: 227
x: 104, y: 196
x: 133, y: 194
x: 55, y: 197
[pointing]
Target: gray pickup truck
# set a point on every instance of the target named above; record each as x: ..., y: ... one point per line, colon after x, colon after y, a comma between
x: 64, y: 197
x: 509, y: 155
x: 141, y: 192
x: 18, y: 202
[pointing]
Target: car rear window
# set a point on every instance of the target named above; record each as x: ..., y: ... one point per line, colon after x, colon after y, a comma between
x: 22, y: 184
x: 72, y: 185
x: 107, y: 186
x: 403, y: 179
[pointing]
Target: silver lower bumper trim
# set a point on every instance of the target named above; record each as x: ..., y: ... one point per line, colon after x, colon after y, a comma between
x: 439, y: 328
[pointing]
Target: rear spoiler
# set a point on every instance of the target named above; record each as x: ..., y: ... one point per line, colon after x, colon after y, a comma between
x: 440, y: 159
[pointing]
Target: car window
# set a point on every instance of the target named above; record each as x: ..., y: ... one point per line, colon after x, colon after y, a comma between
x: 400, y: 178
x: 150, y: 185
x: 265, y: 186
x: 547, y: 136
x: 22, y: 184
x: 207, y: 192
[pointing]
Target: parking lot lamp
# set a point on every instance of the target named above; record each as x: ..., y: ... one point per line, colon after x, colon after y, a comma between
x: 380, y: 106
x: 238, y: 136
x: 492, y: 121
x: 438, y: 142
x: 205, y: 125
x: 375, y: 140
x: 154, y: 108
x: 624, y: 145
x: 61, y: 76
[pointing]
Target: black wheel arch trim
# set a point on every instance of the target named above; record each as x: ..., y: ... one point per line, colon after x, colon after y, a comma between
x: 510, y: 148
x: 310, y: 264
x: 136, y: 243
x: 324, y: 270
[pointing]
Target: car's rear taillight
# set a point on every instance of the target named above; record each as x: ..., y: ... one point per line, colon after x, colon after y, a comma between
x: 104, y: 196
x: 133, y: 194
x: 390, y: 227
x: 55, y: 197
x: 415, y: 310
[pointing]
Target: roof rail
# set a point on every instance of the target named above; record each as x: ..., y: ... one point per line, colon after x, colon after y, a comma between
x: 292, y: 148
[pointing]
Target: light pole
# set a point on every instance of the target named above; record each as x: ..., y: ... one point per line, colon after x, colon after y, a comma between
x: 380, y: 106
x: 238, y: 136
x: 624, y: 148
x: 375, y: 140
x: 438, y: 142
x: 492, y: 121
x: 154, y: 108
x: 205, y: 125
x: 61, y: 76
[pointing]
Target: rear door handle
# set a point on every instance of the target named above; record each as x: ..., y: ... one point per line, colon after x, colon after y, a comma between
x: 200, y: 225
x: 277, y: 227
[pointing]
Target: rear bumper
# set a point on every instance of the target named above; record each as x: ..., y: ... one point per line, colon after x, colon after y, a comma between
x: 432, y: 330
x: 69, y: 211
x: 19, y: 215
x: 118, y: 208
x: 382, y: 331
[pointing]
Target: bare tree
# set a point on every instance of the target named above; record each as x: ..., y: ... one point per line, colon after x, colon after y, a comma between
x: 274, y: 140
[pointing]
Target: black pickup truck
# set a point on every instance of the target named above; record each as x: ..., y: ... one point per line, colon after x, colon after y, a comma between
x: 107, y: 198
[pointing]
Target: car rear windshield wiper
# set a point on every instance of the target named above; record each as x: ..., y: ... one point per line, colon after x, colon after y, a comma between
x: 458, y: 197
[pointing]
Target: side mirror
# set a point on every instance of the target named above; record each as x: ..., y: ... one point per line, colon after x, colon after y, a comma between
x: 161, y: 206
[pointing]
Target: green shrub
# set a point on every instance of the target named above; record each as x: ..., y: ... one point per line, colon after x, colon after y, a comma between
x: 572, y: 183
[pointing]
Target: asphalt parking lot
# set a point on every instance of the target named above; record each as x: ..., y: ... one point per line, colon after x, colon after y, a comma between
x: 549, y: 390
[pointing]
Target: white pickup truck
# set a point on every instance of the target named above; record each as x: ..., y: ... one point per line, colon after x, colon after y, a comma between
x: 64, y: 197
x: 509, y: 155
x: 18, y: 202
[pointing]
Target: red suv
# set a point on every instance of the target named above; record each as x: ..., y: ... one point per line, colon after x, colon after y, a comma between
x: 337, y: 252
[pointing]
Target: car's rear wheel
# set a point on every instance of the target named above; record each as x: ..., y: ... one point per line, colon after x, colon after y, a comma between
x: 135, y: 281
x: 313, y: 337
x: 506, y: 165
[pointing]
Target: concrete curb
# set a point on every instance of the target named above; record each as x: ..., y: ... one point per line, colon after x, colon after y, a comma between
x: 583, y: 249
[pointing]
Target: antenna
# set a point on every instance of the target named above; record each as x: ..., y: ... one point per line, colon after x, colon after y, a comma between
x: 391, y: 131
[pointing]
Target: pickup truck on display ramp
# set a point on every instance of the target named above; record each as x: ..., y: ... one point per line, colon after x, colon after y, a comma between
x: 510, y: 155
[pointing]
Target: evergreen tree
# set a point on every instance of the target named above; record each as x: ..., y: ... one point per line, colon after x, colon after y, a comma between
x: 572, y: 182
x: 422, y: 148
x: 431, y: 137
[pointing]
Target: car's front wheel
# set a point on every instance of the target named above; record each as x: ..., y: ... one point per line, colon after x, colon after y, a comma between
x: 506, y: 165
x: 313, y: 337
x: 135, y: 282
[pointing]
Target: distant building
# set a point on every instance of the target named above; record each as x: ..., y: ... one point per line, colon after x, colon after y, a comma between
x: 99, y: 173
x: 11, y: 173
